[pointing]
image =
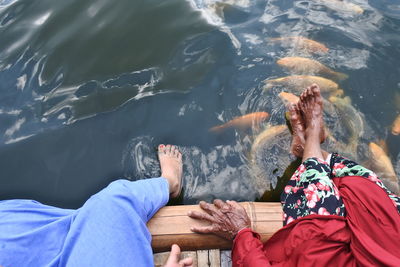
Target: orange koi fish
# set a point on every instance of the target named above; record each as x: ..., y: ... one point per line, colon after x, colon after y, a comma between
x: 382, y: 165
x: 243, y: 122
x: 396, y: 126
x: 299, y: 82
x: 302, y: 65
x: 302, y: 43
x: 288, y: 98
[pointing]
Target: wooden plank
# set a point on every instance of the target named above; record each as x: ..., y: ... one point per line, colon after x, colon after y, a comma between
x: 226, y: 260
x: 262, y: 207
x: 209, y: 258
x: 189, y: 242
x: 215, y: 258
x: 168, y: 225
x: 191, y: 254
x: 202, y: 258
x: 172, y: 225
x: 161, y: 258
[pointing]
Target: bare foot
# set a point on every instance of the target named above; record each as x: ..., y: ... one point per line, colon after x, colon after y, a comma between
x: 171, y: 167
x: 298, y: 128
x: 311, y: 107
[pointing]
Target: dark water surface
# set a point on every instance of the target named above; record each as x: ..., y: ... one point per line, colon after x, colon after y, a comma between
x: 89, y: 88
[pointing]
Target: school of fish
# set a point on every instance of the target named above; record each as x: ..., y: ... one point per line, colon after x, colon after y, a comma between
x: 304, y: 71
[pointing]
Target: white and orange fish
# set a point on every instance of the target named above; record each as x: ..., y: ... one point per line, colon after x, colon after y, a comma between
x: 381, y: 164
x: 299, y: 82
x: 288, y: 98
x: 263, y: 160
x: 351, y: 118
x: 396, y: 126
x: 302, y: 65
x: 302, y: 43
x: 337, y: 93
x: 382, y: 144
x: 243, y: 123
x: 342, y: 6
x: 267, y: 135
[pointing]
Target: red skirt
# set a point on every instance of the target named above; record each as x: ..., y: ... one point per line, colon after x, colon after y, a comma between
x: 369, y: 235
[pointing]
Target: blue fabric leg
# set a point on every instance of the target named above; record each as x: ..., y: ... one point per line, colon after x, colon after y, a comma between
x: 110, y: 228
x: 31, y: 233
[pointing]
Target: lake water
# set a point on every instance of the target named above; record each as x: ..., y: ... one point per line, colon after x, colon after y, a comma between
x: 90, y: 87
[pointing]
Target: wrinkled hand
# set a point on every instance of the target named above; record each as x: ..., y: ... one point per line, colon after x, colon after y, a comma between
x: 226, y: 218
x: 174, y: 259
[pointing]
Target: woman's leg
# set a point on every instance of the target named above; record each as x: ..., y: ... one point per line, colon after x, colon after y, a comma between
x: 310, y: 190
x: 110, y: 229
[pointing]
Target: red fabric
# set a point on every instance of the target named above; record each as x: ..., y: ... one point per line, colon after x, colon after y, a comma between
x: 369, y: 235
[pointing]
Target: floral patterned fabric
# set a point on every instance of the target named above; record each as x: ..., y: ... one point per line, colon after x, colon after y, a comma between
x: 311, y: 190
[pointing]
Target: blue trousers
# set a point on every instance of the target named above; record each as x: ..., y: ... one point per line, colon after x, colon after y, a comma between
x: 108, y: 230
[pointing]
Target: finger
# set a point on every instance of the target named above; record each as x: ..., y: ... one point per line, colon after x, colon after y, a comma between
x: 219, y: 203
x: 200, y: 216
x: 210, y: 209
x: 234, y: 204
x: 187, y: 262
x: 203, y: 229
x: 174, y: 256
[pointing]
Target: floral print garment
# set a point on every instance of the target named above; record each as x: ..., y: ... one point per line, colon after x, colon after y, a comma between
x: 311, y: 190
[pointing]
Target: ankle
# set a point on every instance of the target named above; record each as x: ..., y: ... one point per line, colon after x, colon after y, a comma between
x: 312, y: 131
x: 173, y: 184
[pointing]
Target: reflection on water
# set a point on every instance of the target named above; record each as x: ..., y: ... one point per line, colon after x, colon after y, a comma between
x: 72, y: 60
x: 89, y: 88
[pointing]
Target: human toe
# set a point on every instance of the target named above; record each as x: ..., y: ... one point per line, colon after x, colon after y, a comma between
x: 161, y: 148
x: 291, y: 108
x: 314, y: 86
x: 309, y: 92
x: 168, y: 149
x: 297, y: 108
x: 175, y: 151
x: 303, y: 95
